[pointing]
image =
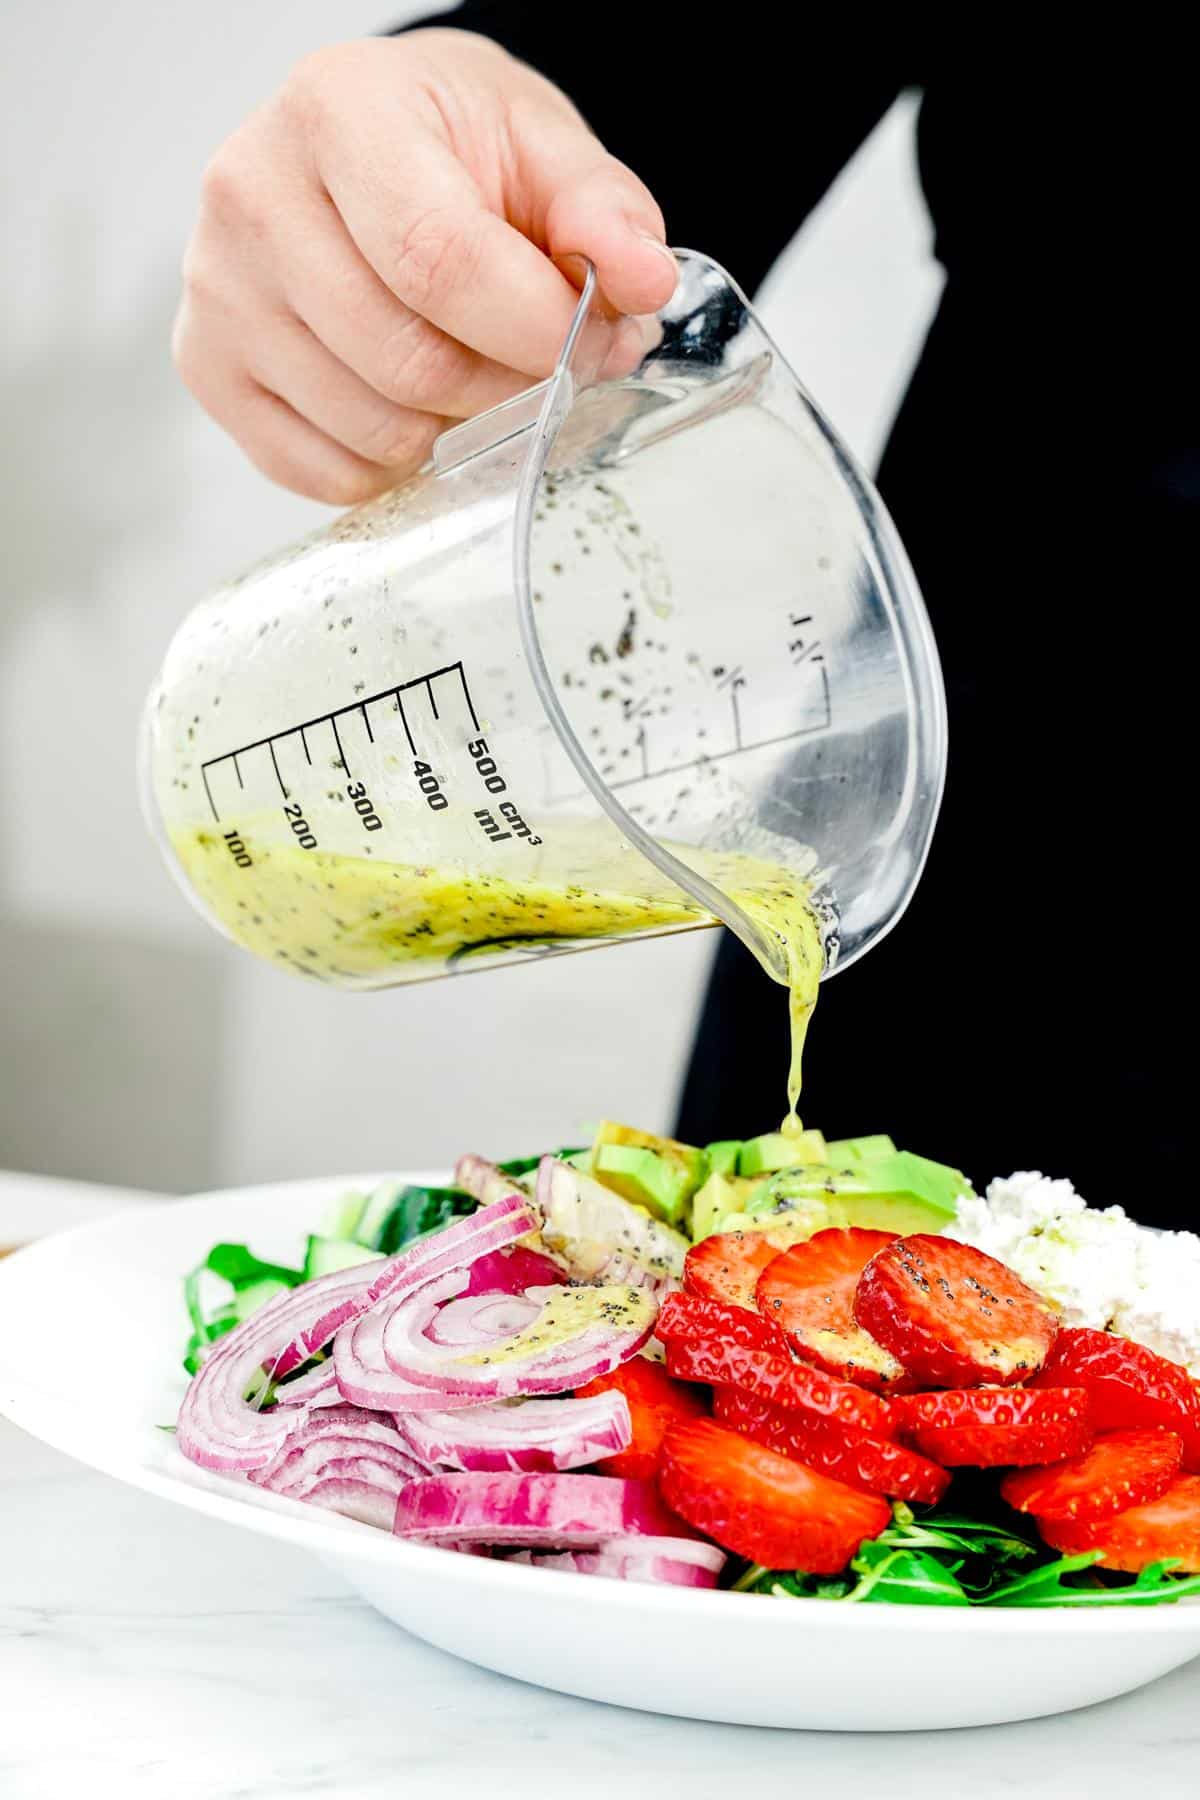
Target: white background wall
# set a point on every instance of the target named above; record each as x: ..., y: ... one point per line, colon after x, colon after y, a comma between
x: 134, y: 1044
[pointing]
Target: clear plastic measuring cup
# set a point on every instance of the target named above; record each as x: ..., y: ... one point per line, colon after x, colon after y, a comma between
x: 612, y: 641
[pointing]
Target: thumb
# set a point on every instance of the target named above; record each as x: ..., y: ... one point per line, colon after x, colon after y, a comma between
x: 583, y: 202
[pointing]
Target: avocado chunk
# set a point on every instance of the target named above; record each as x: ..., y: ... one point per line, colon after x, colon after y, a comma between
x: 645, y: 1177
x: 723, y: 1156
x: 721, y: 1194
x: 775, y: 1150
x: 855, y: 1153
x: 664, y: 1185
x: 902, y: 1193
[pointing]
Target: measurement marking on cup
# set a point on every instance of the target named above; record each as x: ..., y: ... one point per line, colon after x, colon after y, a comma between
x: 404, y: 721
x: 278, y: 776
x: 273, y: 739
x: 742, y: 743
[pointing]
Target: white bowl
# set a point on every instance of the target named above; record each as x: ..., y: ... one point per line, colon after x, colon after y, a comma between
x: 91, y: 1330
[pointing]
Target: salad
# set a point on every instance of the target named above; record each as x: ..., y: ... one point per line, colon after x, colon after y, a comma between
x: 775, y: 1366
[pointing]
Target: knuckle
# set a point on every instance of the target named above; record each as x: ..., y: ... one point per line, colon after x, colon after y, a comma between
x: 225, y: 194
x: 311, y: 90
x: 350, y: 487
x: 197, y: 354
x: 337, y: 482
x: 418, y: 365
x: 434, y: 254
x: 395, y: 440
x: 184, y: 353
x: 201, y: 286
x: 303, y: 95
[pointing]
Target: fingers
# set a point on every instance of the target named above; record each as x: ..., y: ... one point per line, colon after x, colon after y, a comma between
x: 449, y: 259
x: 286, y: 447
x: 292, y: 364
x: 404, y: 358
x: 394, y: 243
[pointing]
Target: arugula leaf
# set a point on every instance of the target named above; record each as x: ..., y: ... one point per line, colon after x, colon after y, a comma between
x: 948, y: 1559
x: 1053, y: 1585
x: 519, y: 1165
x: 236, y: 1264
x: 253, y: 1282
x: 911, y: 1577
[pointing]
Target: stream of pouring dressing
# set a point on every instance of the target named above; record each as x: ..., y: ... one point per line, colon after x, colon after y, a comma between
x: 356, y: 922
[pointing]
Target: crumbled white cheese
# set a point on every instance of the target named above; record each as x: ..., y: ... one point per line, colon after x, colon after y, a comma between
x: 1098, y: 1266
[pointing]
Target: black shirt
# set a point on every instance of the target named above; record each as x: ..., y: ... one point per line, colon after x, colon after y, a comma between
x: 1032, y: 1009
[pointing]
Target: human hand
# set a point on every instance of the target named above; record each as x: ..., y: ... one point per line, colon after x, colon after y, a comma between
x: 381, y: 251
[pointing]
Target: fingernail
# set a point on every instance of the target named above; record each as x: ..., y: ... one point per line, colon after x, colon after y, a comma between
x: 648, y: 237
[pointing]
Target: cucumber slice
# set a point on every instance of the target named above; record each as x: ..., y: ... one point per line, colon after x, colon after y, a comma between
x: 344, y: 1217
x: 255, y: 1294
x: 419, y: 1210
x: 379, y: 1206
x: 325, y: 1255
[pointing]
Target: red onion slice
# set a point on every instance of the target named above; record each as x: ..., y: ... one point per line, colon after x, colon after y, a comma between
x: 219, y: 1430
x: 521, y: 1435
x: 672, y: 1562
x: 575, y: 1334
x: 363, y: 1375
x: 514, y: 1270
x: 318, y: 1387
x: 483, y: 1318
x: 549, y: 1512
x: 368, y: 1501
x: 379, y: 1469
x: 331, y: 1437
x: 484, y: 1181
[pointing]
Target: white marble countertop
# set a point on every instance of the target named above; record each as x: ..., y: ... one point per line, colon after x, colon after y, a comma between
x: 152, y: 1653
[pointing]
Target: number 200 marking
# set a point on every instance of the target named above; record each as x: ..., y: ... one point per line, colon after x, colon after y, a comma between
x: 295, y: 815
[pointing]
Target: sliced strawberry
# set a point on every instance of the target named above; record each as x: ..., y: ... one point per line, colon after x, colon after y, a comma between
x: 726, y: 1266
x: 989, y: 1427
x: 1162, y: 1528
x: 793, y: 1387
x: 685, y: 1315
x: 951, y: 1315
x: 874, y: 1464
x: 809, y: 1291
x: 656, y: 1403
x: 1122, y: 1469
x: 777, y: 1512
x: 1128, y: 1386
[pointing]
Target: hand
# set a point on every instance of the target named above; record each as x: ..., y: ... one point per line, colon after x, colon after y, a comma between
x: 381, y: 251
